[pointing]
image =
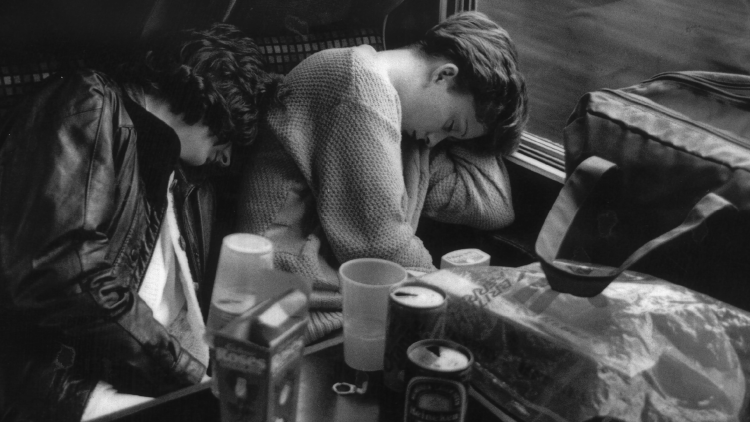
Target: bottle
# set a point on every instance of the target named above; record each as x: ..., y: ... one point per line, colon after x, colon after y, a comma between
x: 243, y: 262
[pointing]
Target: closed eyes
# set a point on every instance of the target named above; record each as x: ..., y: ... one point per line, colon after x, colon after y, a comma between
x: 450, y: 127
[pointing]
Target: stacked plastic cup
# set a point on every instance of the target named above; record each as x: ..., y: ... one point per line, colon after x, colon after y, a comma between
x: 243, y: 264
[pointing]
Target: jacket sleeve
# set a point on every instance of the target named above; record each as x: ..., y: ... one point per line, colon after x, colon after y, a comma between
x: 60, y: 168
x: 357, y: 177
x: 469, y: 188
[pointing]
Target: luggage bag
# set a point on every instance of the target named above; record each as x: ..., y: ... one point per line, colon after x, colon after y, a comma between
x: 658, y: 181
x: 680, y: 141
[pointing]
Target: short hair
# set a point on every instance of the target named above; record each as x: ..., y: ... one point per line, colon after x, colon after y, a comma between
x: 487, y: 69
x: 215, y: 76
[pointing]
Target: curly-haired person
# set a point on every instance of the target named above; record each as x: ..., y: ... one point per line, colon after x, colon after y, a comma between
x: 330, y: 177
x: 105, y: 223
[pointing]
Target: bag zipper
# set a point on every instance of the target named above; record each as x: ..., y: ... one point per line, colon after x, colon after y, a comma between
x: 671, y: 113
x: 706, y: 84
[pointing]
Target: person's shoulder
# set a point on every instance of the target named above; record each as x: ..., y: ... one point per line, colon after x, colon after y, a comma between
x: 372, y: 87
x: 365, y: 66
x: 351, y: 60
x: 347, y: 54
x: 79, y: 90
x: 356, y: 69
x: 364, y: 53
x: 334, y: 66
x: 323, y: 79
x: 330, y: 63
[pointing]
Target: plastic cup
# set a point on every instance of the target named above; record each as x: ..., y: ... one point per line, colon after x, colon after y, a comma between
x: 239, y: 276
x: 244, y: 261
x: 365, y: 285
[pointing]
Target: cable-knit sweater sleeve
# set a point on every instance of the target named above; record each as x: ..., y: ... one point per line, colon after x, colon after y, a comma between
x: 340, y: 125
x: 468, y: 187
x: 358, y: 177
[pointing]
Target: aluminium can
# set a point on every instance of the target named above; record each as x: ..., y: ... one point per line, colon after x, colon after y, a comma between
x: 416, y: 311
x: 438, y: 373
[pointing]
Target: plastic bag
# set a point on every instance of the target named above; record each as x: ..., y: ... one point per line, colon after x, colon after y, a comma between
x: 642, y: 350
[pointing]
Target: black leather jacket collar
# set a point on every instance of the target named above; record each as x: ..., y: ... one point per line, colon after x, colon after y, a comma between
x: 158, y: 150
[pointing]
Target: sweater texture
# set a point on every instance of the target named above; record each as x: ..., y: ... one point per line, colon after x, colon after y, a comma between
x: 329, y: 178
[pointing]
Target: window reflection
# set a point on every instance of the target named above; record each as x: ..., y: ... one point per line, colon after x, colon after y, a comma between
x: 570, y: 47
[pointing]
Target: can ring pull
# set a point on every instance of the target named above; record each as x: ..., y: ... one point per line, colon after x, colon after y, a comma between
x: 360, y: 386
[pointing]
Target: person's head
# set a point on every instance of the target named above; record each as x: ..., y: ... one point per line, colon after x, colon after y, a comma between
x: 477, y: 88
x: 214, y: 84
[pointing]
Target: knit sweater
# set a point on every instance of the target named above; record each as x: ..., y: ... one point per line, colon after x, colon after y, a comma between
x: 329, y: 179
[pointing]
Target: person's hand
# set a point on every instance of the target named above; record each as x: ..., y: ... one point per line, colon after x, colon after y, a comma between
x: 105, y: 400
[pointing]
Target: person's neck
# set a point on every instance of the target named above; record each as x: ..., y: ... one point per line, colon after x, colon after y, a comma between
x: 405, y: 67
x: 160, y: 108
x: 156, y: 106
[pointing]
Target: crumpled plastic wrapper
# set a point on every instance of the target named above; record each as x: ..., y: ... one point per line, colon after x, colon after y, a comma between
x: 643, y: 350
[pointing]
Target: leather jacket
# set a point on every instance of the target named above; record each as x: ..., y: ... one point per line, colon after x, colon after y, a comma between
x: 84, y: 173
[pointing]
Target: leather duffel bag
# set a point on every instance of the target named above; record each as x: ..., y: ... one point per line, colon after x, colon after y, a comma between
x: 662, y: 186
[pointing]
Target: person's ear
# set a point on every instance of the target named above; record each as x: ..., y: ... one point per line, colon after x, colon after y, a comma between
x: 445, y: 73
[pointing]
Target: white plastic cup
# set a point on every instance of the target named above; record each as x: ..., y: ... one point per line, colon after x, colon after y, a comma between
x: 243, y: 261
x: 365, y: 285
x: 238, y: 277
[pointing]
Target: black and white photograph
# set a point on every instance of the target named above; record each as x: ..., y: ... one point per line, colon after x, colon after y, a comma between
x: 375, y: 210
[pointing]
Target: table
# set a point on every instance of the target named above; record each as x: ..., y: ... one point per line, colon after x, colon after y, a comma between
x: 317, y: 401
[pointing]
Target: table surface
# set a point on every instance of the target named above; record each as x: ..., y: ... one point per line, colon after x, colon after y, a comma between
x: 317, y: 401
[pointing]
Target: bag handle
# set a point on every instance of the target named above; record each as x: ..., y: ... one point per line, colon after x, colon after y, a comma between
x: 589, y: 281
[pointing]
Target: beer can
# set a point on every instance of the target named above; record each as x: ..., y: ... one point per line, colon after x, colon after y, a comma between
x: 416, y: 311
x: 437, y: 375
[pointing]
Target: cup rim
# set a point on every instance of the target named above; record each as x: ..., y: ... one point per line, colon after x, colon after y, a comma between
x: 246, y: 243
x: 380, y: 260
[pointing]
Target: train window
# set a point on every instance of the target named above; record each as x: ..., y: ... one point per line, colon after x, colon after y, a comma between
x: 570, y: 47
